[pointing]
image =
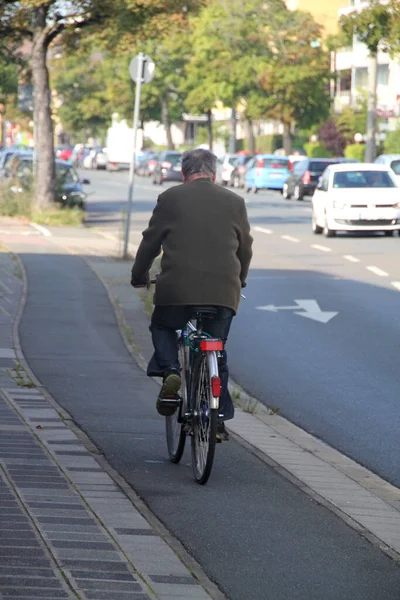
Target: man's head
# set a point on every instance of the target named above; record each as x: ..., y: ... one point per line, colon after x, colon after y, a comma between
x: 198, y: 163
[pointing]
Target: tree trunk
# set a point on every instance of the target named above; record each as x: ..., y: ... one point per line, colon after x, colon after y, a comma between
x: 209, y: 130
x: 166, y: 121
x: 250, y: 136
x: 287, y: 139
x: 44, y: 151
x: 232, y: 137
x: 370, y: 146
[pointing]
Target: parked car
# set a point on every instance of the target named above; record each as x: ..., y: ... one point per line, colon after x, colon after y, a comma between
x: 95, y: 159
x: 6, y: 156
x: 168, y: 167
x: 392, y: 161
x: 267, y: 171
x: 304, y: 177
x: 68, y: 184
x: 147, y: 164
x: 356, y: 197
x: 225, y: 167
x: 239, y: 170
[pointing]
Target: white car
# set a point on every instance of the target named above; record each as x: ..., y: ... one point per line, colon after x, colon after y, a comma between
x: 392, y: 161
x: 356, y: 197
x: 225, y: 167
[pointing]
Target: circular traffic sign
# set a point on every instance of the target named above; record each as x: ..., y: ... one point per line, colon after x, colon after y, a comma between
x: 142, y: 68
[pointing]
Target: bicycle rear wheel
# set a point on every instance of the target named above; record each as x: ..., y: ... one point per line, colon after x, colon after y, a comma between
x: 174, y: 425
x: 205, y: 420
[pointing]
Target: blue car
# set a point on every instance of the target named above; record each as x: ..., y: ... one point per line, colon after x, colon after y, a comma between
x: 267, y: 171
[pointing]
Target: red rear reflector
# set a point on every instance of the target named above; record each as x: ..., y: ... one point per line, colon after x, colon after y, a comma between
x: 216, y: 387
x: 211, y: 345
x: 306, y: 177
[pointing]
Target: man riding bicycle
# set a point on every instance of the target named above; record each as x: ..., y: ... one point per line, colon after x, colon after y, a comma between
x: 204, y: 234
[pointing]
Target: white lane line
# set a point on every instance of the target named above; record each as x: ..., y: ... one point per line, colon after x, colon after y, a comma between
x: 289, y: 238
x: 377, y: 271
x: 396, y: 284
x: 263, y: 230
x: 351, y: 258
x: 43, y: 230
x: 322, y: 248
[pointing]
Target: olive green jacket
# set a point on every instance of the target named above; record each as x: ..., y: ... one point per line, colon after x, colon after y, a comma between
x: 204, y: 234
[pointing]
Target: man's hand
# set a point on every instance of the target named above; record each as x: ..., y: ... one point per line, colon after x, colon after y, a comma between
x: 140, y: 283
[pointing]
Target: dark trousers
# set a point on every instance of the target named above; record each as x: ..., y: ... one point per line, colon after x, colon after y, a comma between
x: 164, y: 323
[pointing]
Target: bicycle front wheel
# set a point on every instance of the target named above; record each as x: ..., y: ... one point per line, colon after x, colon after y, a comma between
x: 205, y: 420
x: 174, y: 425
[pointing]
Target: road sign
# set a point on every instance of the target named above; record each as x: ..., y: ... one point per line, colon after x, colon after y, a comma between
x: 311, y: 310
x: 141, y: 68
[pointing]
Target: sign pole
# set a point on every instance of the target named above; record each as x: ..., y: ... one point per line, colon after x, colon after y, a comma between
x: 140, y: 69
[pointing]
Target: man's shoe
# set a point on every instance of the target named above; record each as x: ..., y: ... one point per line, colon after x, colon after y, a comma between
x: 167, y: 401
x: 222, y: 434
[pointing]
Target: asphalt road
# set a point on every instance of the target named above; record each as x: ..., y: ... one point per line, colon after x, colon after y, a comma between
x: 339, y: 379
x: 253, y: 532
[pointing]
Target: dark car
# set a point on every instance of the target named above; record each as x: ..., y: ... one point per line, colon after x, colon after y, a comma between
x: 69, y: 190
x: 239, y: 171
x: 168, y: 167
x: 305, y: 175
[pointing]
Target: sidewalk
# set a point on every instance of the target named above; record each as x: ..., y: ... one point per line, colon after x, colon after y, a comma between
x: 67, y: 530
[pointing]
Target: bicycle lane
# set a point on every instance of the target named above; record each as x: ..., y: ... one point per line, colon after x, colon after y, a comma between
x: 254, y: 533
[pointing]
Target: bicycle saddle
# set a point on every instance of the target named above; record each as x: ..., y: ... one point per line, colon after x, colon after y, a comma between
x: 209, y: 311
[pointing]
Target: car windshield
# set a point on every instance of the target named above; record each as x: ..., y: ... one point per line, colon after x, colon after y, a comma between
x: 363, y: 179
x: 233, y: 160
x: 174, y: 159
x: 274, y: 163
x: 66, y: 174
x: 396, y: 166
x: 319, y: 166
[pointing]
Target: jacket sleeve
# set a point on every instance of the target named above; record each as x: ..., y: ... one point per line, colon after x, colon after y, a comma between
x: 150, y: 246
x: 244, y: 251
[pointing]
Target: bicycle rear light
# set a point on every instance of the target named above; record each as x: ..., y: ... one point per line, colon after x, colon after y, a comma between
x: 216, y: 387
x: 211, y: 345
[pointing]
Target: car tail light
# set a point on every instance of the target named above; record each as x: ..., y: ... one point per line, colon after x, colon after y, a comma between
x: 166, y: 165
x: 216, y: 387
x: 211, y: 345
x: 260, y: 163
x: 306, y: 178
x: 290, y: 166
x: 152, y: 163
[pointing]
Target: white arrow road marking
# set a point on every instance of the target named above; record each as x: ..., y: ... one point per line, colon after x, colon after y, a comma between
x: 396, y: 284
x: 311, y: 310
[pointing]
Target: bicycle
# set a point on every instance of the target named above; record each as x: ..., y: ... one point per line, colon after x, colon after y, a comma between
x: 197, y: 406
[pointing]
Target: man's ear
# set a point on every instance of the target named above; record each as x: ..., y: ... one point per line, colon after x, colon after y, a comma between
x: 183, y: 177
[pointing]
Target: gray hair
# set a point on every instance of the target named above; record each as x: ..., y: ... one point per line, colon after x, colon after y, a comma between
x: 199, y: 161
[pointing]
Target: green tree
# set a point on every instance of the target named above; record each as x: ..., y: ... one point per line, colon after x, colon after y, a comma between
x: 378, y: 27
x: 296, y: 80
x: 230, y: 41
x: 44, y: 21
